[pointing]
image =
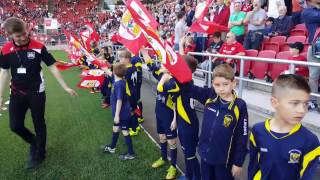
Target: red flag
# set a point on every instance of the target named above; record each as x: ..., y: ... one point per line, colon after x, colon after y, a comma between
x: 91, y: 59
x: 130, y: 34
x: 207, y: 27
x: 62, y: 66
x: 91, y: 78
x: 201, y: 24
x: 89, y: 35
x: 91, y: 82
x: 141, y: 14
x: 171, y: 60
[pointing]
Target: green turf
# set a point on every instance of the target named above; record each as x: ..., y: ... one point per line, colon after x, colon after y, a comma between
x: 77, y: 127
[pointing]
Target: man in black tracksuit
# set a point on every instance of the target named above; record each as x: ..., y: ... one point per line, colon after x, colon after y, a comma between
x: 23, y: 56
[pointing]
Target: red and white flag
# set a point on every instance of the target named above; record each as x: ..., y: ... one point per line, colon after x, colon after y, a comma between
x: 171, y: 60
x: 130, y: 34
x: 202, y: 24
x: 89, y: 35
x: 91, y: 59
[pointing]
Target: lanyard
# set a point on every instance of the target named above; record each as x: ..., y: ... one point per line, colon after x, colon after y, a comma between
x: 18, y: 55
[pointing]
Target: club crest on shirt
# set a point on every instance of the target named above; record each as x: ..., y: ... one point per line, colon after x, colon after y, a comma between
x: 227, y: 120
x: 31, y: 55
x: 294, y: 156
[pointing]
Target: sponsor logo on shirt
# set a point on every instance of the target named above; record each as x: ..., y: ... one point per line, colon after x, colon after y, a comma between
x: 31, y: 55
x: 213, y: 110
x: 294, y: 156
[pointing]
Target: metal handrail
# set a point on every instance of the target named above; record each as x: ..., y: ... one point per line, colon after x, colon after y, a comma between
x: 248, y: 58
x: 241, y: 77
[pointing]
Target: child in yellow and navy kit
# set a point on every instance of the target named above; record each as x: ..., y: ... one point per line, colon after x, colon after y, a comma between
x: 131, y: 86
x: 281, y: 148
x: 224, y: 136
x: 136, y: 61
x: 120, y: 112
x: 165, y: 117
x: 188, y: 124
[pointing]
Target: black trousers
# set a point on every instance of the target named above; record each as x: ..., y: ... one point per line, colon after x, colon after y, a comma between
x: 19, y: 104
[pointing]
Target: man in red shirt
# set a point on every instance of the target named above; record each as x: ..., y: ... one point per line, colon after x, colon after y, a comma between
x: 230, y: 47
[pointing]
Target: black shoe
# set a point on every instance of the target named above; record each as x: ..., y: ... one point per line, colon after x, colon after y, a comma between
x: 35, y: 162
x: 127, y: 156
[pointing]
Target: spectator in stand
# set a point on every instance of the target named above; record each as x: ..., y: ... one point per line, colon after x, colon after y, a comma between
x: 215, y: 42
x: 273, y: 6
x: 255, y: 20
x: 297, y: 7
x: 236, y: 24
x: 295, y: 50
x: 268, y: 28
x: 178, y: 7
x: 230, y: 47
x: 190, y: 14
x: 189, y: 45
x: 281, y: 25
x: 179, y: 30
x: 221, y: 13
x: 311, y: 16
x: 247, y: 6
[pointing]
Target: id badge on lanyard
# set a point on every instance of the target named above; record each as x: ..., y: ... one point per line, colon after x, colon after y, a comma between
x: 22, y: 70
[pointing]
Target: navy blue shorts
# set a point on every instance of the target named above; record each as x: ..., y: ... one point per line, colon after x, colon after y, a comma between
x: 123, y: 124
x: 164, y: 117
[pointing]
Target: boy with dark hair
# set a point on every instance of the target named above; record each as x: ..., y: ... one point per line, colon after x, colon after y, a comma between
x: 165, y: 116
x: 281, y: 148
x: 295, y: 50
x: 120, y: 112
x: 224, y: 133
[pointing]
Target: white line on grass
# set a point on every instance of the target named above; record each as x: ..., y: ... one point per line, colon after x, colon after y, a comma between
x: 159, y: 147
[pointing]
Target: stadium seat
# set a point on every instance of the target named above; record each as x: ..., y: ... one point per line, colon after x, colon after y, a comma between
x: 293, y: 39
x: 271, y: 46
x: 298, y: 32
x: 279, y: 39
x: 247, y: 64
x: 259, y: 69
x: 276, y: 68
x: 300, y: 26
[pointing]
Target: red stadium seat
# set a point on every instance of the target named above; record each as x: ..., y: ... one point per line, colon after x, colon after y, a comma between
x: 247, y: 64
x: 259, y: 69
x: 293, y: 39
x: 300, y: 26
x: 276, y: 69
x: 271, y: 46
x: 279, y: 39
x: 298, y: 32
x: 285, y: 47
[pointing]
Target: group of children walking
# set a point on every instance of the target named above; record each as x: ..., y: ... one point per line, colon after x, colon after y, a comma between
x: 280, y: 148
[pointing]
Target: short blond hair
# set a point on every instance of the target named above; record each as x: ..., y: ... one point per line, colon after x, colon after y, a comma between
x: 223, y: 70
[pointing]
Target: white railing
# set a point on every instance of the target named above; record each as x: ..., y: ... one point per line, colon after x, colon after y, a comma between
x: 242, y: 79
